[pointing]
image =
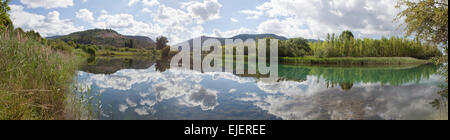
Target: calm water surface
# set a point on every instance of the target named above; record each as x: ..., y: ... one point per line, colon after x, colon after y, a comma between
x: 147, y: 89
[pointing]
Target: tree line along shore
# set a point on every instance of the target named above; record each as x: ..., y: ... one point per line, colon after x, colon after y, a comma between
x: 37, y: 74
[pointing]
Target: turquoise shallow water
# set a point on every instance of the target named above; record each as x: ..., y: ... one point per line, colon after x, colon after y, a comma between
x: 145, y: 89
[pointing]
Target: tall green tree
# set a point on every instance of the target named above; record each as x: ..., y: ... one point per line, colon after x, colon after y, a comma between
x: 294, y: 47
x: 367, y: 47
x: 5, y: 21
x: 428, y: 21
x: 129, y: 43
x: 347, y: 34
x: 161, y: 42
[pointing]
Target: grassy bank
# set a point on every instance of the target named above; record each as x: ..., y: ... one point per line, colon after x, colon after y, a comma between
x: 353, y: 60
x: 127, y: 52
x: 34, y: 79
x: 344, y: 61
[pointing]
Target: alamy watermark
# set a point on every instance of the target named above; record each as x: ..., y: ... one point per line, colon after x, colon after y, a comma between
x: 212, y: 56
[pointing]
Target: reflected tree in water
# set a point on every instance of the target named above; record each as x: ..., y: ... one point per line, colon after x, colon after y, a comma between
x: 162, y: 65
x: 347, y: 75
x: 346, y: 86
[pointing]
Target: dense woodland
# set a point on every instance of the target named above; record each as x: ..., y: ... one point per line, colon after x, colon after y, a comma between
x: 345, y: 45
x: 348, y: 46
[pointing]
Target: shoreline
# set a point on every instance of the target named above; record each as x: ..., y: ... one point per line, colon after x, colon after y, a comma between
x: 353, y: 61
x: 308, y: 60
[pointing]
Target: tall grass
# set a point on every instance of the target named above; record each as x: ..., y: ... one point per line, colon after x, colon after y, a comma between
x: 34, y: 79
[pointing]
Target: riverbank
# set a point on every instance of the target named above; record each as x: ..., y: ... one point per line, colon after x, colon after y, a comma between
x: 35, y: 80
x: 355, y: 86
x: 343, y: 61
x: 353, y: 60
x: 127, y: 52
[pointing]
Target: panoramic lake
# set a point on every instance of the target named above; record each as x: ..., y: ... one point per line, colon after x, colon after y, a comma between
x: 146, y: 89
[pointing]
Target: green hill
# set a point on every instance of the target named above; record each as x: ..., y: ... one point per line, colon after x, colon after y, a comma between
x: 106, y: 38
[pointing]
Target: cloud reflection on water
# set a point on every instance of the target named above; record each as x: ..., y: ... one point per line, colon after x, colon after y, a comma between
x: 361, y: 102
x: 297, y: 100
x: 182, y: 84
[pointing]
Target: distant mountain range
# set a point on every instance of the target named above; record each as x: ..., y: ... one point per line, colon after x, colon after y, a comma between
x: 111, y: 38
x: 107, y: 38
x: 314, y: 40
x: 241, y: 36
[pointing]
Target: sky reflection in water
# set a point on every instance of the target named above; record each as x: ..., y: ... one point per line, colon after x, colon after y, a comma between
x: 303, y: 93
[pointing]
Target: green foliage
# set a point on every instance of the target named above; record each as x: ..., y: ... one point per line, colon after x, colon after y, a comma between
x: 428, y: 21
x: 28, y: 35
x: 36, y: 36
x: 90, y: 49
x: 34, y: 79
x: 353, y: 60
x: 5, y: 21
x: 71, y: 46
x: 107, y: 39
x: 321, y: 53
x: 60, y: 45
x: 172, y: 53
x: 161, y: 42
x: 295, y: 47
x: 346, y: 46
x: 129, y: 44
x: 397, y: 75
x: 347, y: 34
x: 165, y: 52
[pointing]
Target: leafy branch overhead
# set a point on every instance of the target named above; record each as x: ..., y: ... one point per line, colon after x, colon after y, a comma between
x: 426, y: 19
x: 5, y: 20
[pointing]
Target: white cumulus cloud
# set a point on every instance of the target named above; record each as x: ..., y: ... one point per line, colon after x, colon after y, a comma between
x: 203, y: 11
x: 144, y: 2
x: 85, y: 14
x: 126, y: 24
x: 367, y: 17
x: 48, y: 25
x: 252, y: 14
x: 48, y: 4
x: 171, y: 16
x: 288, y: 27
x: 234, y: 20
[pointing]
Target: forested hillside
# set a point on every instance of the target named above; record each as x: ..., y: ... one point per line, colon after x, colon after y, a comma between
x: 105, y: 38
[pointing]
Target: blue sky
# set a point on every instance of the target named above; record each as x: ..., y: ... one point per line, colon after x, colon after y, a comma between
x: 184, y: 19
